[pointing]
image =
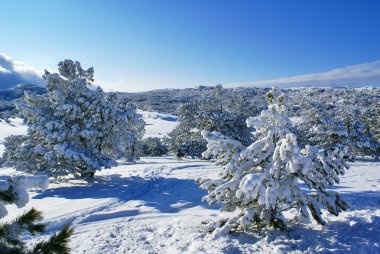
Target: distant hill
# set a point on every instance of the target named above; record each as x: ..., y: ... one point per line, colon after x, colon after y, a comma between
x: 18, y: 91
x: 168, y: 100
x: 9, y: 96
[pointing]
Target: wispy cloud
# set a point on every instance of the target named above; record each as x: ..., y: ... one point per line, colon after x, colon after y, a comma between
x: 15, y: 72
x: 355, y: 75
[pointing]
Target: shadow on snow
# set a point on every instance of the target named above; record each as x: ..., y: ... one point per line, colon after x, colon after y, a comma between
x: 168, y: 195
x: 355, y: 234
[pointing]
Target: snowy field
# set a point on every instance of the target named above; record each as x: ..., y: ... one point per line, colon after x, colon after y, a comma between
x: 158, y: 124
x: 154, y: 206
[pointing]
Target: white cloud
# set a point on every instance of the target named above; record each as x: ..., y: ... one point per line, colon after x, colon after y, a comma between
x: 16, y: 72
x: 355, y: 75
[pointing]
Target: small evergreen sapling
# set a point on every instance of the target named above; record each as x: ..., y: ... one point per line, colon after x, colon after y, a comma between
x: 261, y: 181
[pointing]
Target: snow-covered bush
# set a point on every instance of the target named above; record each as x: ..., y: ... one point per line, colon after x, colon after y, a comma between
x: 153, y: 146
x: 74, y: 128
x: 13, y: 190
x: 260, y: 182
x: 214, y: 114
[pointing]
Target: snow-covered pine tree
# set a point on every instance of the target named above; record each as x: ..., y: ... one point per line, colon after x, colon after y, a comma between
x: 74, y: 128
x: 218, y: 113
x: 373, y: 116
x: 10, y: 154
x: 13, y: 190
x: 372, y: 126
x: 134, y: 131
x: 185, y: 139
x: 317, y: 127
x: 126, y: 128
x: 347, y: 125
x: 153, y: 146
x: 362, y: 139
x: 259, y: 182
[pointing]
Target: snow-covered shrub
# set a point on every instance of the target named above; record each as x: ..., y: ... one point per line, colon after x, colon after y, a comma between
x: 261, y: 181
x: 13, y: 190
x: 74, y: 128
x: 153, y: 146
x: 214, y: 114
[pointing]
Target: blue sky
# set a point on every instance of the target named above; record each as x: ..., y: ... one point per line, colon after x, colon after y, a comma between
x: 144, y: 45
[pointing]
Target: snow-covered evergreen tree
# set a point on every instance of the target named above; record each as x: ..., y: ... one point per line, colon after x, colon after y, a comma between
x: 359, y: 137
x: 10, y: 154
x: 13, y: 190
x: 185, y: 139
x: 213, y: 114
x: 261, y: 181
x: 347, y: 125
x: 126, y: 129
x: 135, y: 131
x: 74, y: 128
x: 373, y: 116
x: 317, y: 127
x: 153, y: 146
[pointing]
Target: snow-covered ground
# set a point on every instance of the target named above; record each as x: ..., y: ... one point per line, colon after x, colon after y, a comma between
x: 154, y: 206
x: 158, y: 124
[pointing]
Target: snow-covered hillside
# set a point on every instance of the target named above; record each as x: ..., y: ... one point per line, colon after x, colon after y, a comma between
x: 154, y: 206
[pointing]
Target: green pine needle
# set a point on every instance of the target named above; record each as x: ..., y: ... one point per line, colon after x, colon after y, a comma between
x: 8, y: 196
x: 30, y: 217
x: 58, y: 243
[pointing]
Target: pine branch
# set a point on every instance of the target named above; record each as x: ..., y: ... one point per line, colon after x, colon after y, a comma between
x: 8, y: 196
x: 10, y: 232
x: 58, y: 243
x: 29, y: 218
